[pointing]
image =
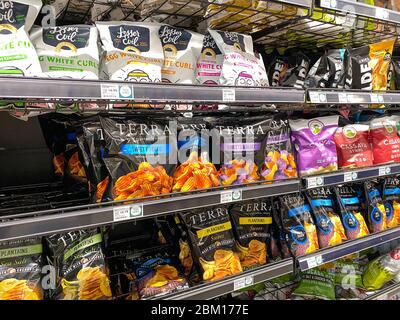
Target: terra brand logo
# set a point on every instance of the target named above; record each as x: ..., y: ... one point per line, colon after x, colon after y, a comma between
x: 349, y: 132
x: 315, y: 126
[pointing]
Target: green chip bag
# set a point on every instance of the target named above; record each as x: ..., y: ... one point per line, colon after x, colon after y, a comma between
x: 316, y: 284
x: 348, y: 275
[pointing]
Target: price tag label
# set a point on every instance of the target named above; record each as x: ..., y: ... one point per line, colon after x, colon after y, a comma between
x: 231, y: 196
x: 384, y: 171
x: 127, y: 212
x: 381, y: 13
x: 328, y: 3
x: 317, y: 97
x: 376, y: 98
x: 228, y: 95
x: 315, y: 261
x: 349, y: 176
x: 343, y: 97
x: 109, y: 91
x: 243, y: 283
x: 315, y: 182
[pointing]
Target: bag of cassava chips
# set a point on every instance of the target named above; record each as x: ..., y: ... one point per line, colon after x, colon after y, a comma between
x: 251, y: 225
x: 140, y: 156
x: 21, y: 269
x: 212, y: 241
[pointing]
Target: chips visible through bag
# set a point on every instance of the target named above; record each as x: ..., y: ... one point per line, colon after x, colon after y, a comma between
x: 391, y: 199
x: 212, y: 241
x: 329, y: 227
x: 351, y: 212
x: 298, y: 224
x: 21, y: 269
x: 376, y: 213
x: 251, y: 225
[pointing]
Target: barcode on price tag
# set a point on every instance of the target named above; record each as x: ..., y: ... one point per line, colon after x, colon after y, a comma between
x: 230, y: 196
x: 384, y: 171
x: 243, y: 283
x: 228, y: 95
x: 109, y: 91
x: 327, y: 3
x: 343, y: 97
x: 127, y: 212
x: 314, y: 261
x: 317, y: 97
x: 381, y: 13
x: 348, y: 177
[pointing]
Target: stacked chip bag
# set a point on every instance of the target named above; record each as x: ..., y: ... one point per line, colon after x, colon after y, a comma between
x: 367, y: 66
x: 240, y: 65
x: 195, y: 170
x: 297, y: 71
x: 212, y: 242
x: 351, y: 212
x: 251, y: 225
x: 314, y: 144
x: 277, y: 70
x: 19, y: 57
x: 391, y: 199
x: 385, y: 140
x: 21, y: 269
x: 209, y: 64
x: 376, y: 213
x: 80, y: 266
x: 298, y: 224
x: 329, y: 227
x: 138, y: 157
x: 353, y: 146
x: 155, y: 273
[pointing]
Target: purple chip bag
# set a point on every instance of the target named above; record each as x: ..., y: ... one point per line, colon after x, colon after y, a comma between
x: 314, y: 144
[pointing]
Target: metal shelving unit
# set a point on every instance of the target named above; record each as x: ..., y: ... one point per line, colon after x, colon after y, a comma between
x: 386, y: 293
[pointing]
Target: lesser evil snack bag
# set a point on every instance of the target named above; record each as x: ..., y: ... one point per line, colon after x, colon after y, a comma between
x: 67, y: 51
x: 80, y: 266
x: 195, y: 170
x: 391, y: 199
x: 367, y: 66
x: 138, y: 157
x: 21, y: 269
x: 156, y: 274
x: 353, y: 146
x: 351, y: 212
x: 376, y: 213
x: 316, y: 283
x: 209, y: 64
x: 212, y: 242
x: 19, y: 57
x: 251, y: 225
x: 240, y: 65
x: 298, y: 224
x: 329, y: 227
x: 385, y: 140
x: 314, y: 144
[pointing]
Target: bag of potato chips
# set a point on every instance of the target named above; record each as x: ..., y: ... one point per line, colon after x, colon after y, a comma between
x: 140, y: 156
x: 376, y: 213
x: 329, y: 227
x: 298, y: 224
x: 21, y: 269
x: 251, y: 225
x: 80, y: 266
x: 212, y: 242
x: 391, y: 199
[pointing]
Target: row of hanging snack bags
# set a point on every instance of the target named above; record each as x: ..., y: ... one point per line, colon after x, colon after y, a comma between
x: 154, y: 257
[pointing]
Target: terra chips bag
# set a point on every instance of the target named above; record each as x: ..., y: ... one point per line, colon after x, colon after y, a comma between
x: 353, y: 146
x: 80, y: 266
x: 385, y: 140
x: 376, y: 213
x: 350, y: 212
x: 138, y: 159
x: 251, y: 225
x: 298, y: 224
x: 391, y: 199
x: 18, y: 54
x: 21, y: 269
x: 212, y: 242
x: 329, y: 227
x: 314, y: 144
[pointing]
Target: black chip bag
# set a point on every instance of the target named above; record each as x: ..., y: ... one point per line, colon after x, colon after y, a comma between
x: 140, y: 156
x: 329, y: 226
x: 212, y: 242
x: 376, y: 213
x: 251, y: 225
x: 277, y: 70
x: 350, y: 210
x: 298, y: 224
x: 297, y: 71
x: 80, y: 266
x: 21, y: 269
x: 391, y: 199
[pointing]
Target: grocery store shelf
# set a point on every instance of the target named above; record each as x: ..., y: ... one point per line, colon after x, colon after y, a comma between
x: 81, y: 217
x: 386, y: 293
x: 361, y: 9
x: 331, y: 96
x: 349, y: 247
x: 53, y: 90
x: 359, y: 174
x: 231, y: 284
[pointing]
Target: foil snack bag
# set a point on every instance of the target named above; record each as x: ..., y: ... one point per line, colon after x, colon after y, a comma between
x: 376, y: 213
x: 391, y: 199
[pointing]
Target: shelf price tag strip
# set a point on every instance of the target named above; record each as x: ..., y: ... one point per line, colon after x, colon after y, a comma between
x: 127, y: 212
x: 243, y: 282
x: 231, y: 196
x: 115, y: 91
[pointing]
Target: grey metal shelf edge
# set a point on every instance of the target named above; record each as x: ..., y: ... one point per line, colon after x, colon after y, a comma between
x: 386, y: 293
x: 67, y: 219
x: 336, y: 252
x: 331, y: 96
x: 300, y: 3
x: 245, y: 279
x: 361, y: 9
x: 53, y: 90
x: 347, y: 176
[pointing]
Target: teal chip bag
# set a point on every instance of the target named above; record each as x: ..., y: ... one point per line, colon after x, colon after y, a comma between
x: 317, y: 284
